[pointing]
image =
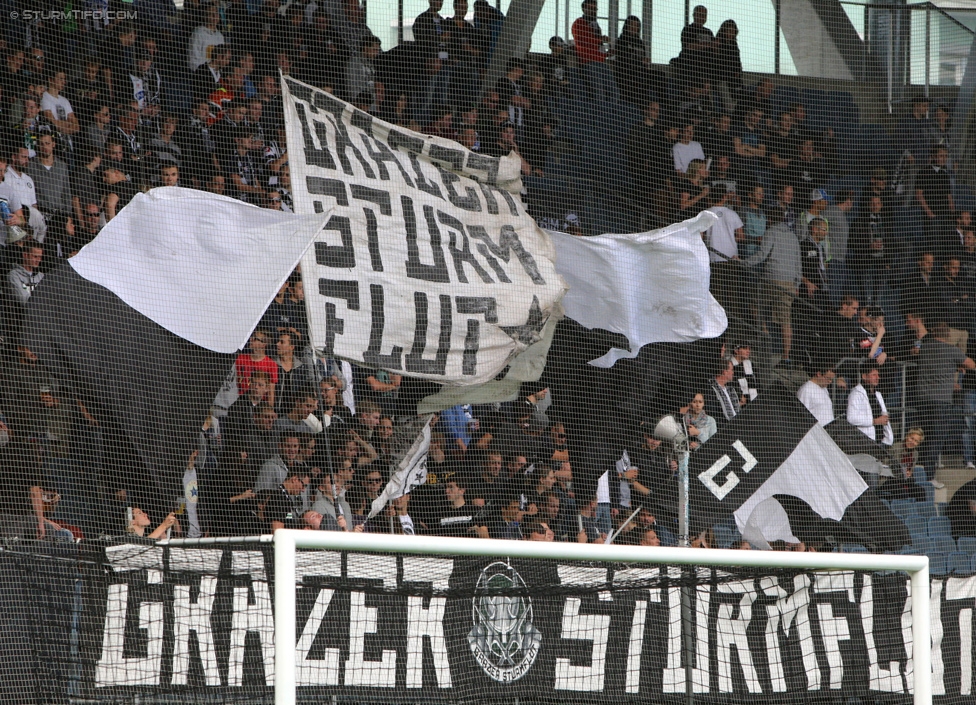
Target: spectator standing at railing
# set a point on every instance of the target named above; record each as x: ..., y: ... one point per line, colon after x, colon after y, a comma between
x: 938, y: 363
x: 780, y: 252
x: 866, y: 407
x: 728, y: 64
x: 592, y: 52
x: 871, y: 251
x: 933, y: 193
x: 631, y: 63
x: 697, y: 45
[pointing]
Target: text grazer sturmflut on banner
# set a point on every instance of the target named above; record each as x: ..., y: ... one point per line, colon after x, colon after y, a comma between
x: 450, y: 629
x: 429, y: 265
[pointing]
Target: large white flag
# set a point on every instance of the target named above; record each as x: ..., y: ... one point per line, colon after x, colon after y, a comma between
x: 651, y: 287
x: 430, y: 265
x: 202, y: 266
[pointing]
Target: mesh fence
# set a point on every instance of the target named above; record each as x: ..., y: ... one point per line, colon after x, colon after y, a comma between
x: 133, y: 622
x: 624, y: 273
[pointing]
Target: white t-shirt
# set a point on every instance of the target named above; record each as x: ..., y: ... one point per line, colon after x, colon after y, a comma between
x: 684, y: 153
x: 817, y: 401
x: 721, y: 236
x: 198, y: 50
x: 60, y: 107
x: 22, y: 185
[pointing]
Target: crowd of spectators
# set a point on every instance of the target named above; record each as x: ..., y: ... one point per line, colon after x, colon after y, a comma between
x: 95, y: 112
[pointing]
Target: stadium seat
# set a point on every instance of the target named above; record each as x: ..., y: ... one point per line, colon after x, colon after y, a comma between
x: 940, y: 526
x: 921, y: 545
x: 960, y: 563
x: 917, y: 526
x: 938, y: 565
x: 904, y: 507
x: 967, y: 544
x: 853, y: 548
x: 942, y: 544
x: 926, y: 510
x: 940, y: 508
x: 919, y: 474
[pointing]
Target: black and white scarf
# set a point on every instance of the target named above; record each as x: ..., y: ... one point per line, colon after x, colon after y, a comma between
x: 728, y: 402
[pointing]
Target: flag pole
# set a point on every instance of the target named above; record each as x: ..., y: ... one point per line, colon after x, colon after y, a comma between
x: 614, y: 534
x: 317, y: 377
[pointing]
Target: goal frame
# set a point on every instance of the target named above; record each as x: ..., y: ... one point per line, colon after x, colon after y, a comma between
x: 288, y: 541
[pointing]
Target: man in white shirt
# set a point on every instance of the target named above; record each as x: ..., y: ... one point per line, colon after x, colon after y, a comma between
x: 56, y: 108
x: 203, y: 38
x: 723, y: 239
x: 686, y: 149
x: 20, y: 184
x: 866, y: 408
x: 814, y: 395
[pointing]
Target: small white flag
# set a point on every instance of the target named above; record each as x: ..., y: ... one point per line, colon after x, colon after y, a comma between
x: 410, y: 473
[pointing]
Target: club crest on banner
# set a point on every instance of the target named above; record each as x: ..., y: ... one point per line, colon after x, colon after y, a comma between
x: 504, y: 641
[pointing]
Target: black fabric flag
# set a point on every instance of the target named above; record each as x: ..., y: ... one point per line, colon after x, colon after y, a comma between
x: 782, y: 477
x: 148, y: 389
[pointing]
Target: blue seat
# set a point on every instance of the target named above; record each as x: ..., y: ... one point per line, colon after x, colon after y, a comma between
x: 941, y: 508
x: 938, y: 565
x: 919, y: 474
x: 940, y: 526
x: 972, y: 566
x: 921, y: 545
x: 725, y: 535
x: 942, y: 544
x: 917, y: 526
x: 960, y: 563
x: 967, y: 544
x: 904, y: 507
x: 853, y: 548
x: 926, y: 510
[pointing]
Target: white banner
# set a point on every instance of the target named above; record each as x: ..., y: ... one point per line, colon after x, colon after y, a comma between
x: 429, y: 264
x: 651, y: 287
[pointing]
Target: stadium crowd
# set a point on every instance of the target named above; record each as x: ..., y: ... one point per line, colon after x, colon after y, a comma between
x: 99, y: 110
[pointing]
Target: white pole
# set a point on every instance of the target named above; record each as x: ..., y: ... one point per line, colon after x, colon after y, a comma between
x: 451, y: 546
x: 922, y: 635
x: 285, y: 682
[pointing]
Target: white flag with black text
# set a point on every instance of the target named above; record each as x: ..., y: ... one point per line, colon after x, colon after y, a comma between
x: 429, y: 265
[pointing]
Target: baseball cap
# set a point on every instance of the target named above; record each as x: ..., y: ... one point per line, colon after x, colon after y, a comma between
x: 818, y: 194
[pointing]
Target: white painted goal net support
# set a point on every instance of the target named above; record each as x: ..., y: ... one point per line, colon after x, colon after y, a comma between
x: 288, y: 542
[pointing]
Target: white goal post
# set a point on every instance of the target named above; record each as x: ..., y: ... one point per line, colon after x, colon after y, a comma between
x: 286, y: 543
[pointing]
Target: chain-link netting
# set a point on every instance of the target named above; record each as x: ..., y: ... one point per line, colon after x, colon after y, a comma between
x: 133, y: 621
x: 634, y: 273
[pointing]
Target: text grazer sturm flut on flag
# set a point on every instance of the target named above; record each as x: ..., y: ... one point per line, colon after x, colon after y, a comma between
x: 429, y: 264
